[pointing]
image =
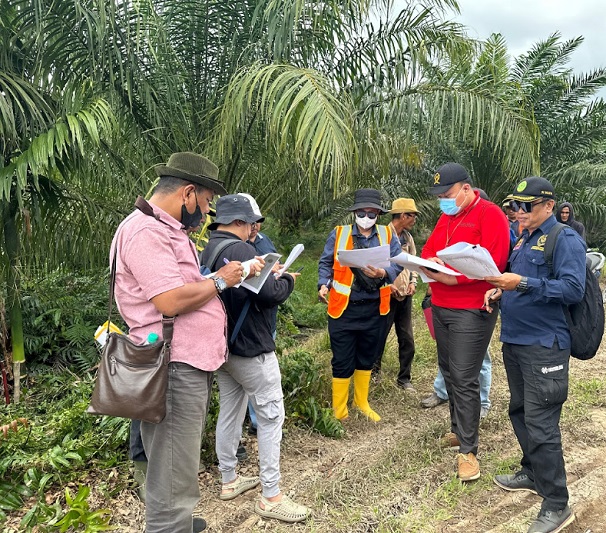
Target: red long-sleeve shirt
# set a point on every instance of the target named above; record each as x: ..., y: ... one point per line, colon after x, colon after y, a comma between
x: 483, y: 223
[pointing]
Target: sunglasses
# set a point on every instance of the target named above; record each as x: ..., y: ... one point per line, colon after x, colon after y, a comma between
x: 368, y: 214
x: 527, y: 207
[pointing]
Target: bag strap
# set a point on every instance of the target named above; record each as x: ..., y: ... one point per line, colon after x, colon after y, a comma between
x: 240, y: 321
x: 211, y: 264
x: 226, y: 243
x: 168, y: 322
x: 552, y: 238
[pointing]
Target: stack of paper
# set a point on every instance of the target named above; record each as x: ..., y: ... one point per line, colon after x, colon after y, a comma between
x: 414, y: 263
x: 472, y: 260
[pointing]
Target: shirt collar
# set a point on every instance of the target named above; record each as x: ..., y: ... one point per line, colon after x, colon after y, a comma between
x: 164, y: 217
x: 544, y: 227
x: 356, y: 231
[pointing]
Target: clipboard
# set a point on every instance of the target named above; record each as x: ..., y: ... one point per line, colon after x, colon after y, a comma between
x: 255, y: 283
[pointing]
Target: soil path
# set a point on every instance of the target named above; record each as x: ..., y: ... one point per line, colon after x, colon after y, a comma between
x: 393, y: 476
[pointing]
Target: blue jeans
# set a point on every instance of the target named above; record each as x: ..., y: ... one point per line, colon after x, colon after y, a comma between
x: 485, y: 382
x: 252, y: 415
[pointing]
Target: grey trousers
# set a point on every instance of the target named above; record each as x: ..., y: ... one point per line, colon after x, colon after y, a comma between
x: 462, y: 337
x: 173, y: 451
x: 259, y: 379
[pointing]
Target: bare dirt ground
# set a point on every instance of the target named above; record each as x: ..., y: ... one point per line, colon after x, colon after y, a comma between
x: 393, y: 476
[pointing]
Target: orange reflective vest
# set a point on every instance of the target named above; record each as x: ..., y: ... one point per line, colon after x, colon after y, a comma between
x: 343, y: 276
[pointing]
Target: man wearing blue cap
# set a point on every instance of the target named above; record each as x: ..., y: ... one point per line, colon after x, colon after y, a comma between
x: 536, y: 357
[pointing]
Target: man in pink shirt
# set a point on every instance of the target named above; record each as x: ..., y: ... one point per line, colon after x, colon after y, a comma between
x: 157, y: 273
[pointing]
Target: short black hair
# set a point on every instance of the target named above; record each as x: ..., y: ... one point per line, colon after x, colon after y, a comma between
x: 169, y: 184
x: 396, y: 215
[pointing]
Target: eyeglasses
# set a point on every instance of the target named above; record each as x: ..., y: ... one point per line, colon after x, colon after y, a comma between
x: 368, y: 214
x: 527, y: 207
x: 410, y: 215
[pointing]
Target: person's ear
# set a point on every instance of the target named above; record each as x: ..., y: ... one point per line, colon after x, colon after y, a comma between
x: 187, y: 192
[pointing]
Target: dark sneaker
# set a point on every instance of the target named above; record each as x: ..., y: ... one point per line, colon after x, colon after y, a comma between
x: 199, y: 524
x: 252, y: 430
x: 241, y: 454
x: 432, y: 401
x: 515, y: 482
x: 405, y: 385
x: 552, y: 521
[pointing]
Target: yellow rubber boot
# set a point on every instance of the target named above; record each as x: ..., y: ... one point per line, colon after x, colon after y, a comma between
x: 361, y: 379
x: 340, y: 395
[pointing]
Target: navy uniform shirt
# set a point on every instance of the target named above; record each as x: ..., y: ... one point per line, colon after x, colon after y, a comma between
x: 325, y: 272
x: 537, y: 316
x: 263, y: 244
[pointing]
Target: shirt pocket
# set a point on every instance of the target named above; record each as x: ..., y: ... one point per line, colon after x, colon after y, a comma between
x: 536, y: 265
x: 552, y: 383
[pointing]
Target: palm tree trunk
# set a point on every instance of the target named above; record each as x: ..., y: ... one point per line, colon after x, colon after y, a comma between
x: 13, y: 299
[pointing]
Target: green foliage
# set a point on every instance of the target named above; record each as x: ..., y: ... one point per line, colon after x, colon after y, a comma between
x: 80, y: 517
x: 63, y: 444
x: 302, y: 386
x: 61, y: 312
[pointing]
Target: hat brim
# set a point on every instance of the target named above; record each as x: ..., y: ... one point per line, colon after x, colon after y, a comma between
x: 397, y: 211
x: 522, y: 198
x: 368, y: 205
x: 225, y: 220
x: 441, y: 189
x: 204, y: 181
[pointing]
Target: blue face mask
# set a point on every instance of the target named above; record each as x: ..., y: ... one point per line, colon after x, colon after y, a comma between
x: 449, y: 206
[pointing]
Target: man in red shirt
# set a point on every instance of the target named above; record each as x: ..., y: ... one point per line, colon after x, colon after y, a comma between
x: 462, y: 325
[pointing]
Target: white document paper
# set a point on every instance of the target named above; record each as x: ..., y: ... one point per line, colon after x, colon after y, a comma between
x: 412, y: 262
x: 377, y: 257
x: 255, y: 283
x: 296, y: 252
x: 472, y: 260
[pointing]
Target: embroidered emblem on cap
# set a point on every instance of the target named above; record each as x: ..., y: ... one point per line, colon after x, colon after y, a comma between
x: 522, y: 186
x: 436, y: 179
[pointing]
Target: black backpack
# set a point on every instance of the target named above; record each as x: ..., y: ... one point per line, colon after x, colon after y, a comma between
x: 585, y: 318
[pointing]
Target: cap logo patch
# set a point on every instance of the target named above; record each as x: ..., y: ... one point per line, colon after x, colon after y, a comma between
x: 436, y: 179
x: 522, y: 186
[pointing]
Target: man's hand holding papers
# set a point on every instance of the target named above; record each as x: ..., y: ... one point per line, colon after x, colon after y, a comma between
x: 432, y: 269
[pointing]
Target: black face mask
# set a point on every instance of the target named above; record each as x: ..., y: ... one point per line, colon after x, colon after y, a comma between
x: 190, y: 220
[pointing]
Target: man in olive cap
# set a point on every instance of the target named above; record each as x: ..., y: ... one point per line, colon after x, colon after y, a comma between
x: 536, y: 347
x: 358, y: 302
x: 157, y: 274
x: 403, y: 217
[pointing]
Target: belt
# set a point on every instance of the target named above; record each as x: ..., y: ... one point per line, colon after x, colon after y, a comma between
x: 364, y: 302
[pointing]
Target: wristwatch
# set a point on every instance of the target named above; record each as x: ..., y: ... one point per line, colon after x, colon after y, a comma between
x: 220, y: 284
x: 523, y: 285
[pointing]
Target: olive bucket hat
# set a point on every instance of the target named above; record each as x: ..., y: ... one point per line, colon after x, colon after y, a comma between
x: 194, y: 168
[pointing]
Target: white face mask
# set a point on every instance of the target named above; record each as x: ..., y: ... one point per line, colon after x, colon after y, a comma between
x: 365, y: 222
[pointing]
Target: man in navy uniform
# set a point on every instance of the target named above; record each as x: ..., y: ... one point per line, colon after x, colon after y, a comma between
x: 536, y: 347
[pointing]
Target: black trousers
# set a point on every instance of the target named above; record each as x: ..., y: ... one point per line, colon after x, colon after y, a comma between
x: 400, y: 315
x: 355, y: 338
x: 462, y: 337
x: 538, y: 383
